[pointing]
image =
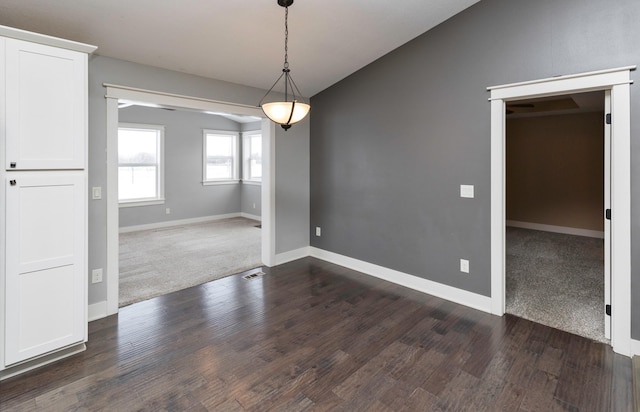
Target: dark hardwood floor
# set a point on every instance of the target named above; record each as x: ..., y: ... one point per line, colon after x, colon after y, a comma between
x: 310, y: 335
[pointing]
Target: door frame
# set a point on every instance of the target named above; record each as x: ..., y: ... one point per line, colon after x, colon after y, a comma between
x: 617, y: 81
x: 116, y: 92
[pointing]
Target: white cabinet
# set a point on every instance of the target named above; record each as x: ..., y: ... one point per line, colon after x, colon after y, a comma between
x: 45, y: 281
x: 46, y: 107
x: 43, y: 199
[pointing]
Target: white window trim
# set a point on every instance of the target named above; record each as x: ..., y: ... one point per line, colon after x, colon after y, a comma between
x: 147, y: 201
x: 245, y: 158
x: 236, y: 166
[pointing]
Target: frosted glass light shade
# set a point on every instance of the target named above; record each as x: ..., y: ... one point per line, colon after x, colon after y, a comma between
x: 280, y: 112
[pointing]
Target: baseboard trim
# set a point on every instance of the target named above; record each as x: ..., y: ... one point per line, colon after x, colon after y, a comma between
x: 252, y: 217
x: 41, y: 361
x: 556, y: 229
x: 98, y: 310
x: 450, y: 293
x: 635, y: 348
x: 178, y: 222
x: 292, y: 255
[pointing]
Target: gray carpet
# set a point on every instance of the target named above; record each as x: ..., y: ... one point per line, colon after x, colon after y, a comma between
x: 556, y: 280
x: 158, y: 261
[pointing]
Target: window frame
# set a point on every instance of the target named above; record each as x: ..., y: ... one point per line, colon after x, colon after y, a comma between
x: 235, y: 179
x: 246, y: 157
x: 159, y: 199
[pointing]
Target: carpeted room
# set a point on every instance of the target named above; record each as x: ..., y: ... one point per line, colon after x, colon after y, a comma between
x: 555, y: 212
x: 202, y: 220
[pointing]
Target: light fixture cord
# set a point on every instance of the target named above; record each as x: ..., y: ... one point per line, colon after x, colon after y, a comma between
x: 286, y: 52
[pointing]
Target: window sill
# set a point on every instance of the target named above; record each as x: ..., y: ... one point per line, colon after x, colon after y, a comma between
x: 252, y: 182
x: 136, y: 203
x: 220, y: 182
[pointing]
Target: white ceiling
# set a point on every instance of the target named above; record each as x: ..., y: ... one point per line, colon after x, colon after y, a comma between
x: 240, y: 41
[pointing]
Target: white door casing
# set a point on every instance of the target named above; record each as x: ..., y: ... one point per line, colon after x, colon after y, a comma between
x: 617, y: 81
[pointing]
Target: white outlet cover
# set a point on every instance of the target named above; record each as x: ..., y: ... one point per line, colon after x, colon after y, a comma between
x: 464, y: 266
x: 318, y: 231
x: 466, y: 191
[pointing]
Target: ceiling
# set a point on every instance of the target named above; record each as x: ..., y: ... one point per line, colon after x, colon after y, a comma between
x: 240, y: 41
x: 555, y: 105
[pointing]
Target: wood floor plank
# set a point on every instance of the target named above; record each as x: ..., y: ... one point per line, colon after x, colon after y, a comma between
x: 314, y: 336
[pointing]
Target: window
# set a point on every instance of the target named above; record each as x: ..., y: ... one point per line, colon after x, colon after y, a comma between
x: 220, y: 162
x: 252, y: 154
x: 140, y: 164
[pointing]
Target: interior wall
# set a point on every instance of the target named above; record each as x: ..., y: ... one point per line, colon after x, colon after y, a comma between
x: 555, y: 170
x: 392, y: 143
x: 184, y: 192
x: 291, y: 152
x: 251, y: 193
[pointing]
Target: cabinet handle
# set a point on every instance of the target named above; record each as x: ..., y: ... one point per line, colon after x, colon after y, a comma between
x: 13, y: 165
x: 12, y: 182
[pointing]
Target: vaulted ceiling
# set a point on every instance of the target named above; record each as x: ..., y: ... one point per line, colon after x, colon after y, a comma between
x: 240, y: 41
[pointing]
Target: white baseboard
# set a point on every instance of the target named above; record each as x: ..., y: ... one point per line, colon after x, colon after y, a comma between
x: 292, y: 255
x: 179, y: 222
x: 252, y: 217
x: 98, y: 310
x: 556, y: 229
x: 635, y: 348
x: 429, y: 287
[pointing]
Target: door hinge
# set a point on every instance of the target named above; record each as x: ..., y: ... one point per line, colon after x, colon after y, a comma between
x: 607, y: 214
x: 607, y: 310
x: 608, y: 118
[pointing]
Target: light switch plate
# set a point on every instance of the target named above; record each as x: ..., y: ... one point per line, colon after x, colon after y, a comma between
x: 466, y: 191
x: 96, y: 193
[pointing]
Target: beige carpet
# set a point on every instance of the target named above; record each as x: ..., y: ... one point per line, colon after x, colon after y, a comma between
x: 158, y: 261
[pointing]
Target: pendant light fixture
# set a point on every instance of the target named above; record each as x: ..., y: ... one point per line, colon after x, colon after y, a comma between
x: 293, y: 108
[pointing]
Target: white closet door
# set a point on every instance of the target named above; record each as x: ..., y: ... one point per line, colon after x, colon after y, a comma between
x: 45, y: 264
x: 45, y: 107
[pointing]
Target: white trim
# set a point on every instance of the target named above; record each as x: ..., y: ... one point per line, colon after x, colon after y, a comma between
x: 97, y: 310
x: 429, y: 287
x: 290, y: 256
x: 220, y: 182
x: 177, y: 222
x: 268, y: 193
x: 112, y: 277
x: 581, y: 78
x: 46, y: 40
x: 557, y: 229
x: 618, y: 81
x: 41, y: 361
x: 137, y: 95
x: 114, y: 93
x: 635, y: 348
x: 250, y: 216
x: 137, y: 203
x: 235, y: 178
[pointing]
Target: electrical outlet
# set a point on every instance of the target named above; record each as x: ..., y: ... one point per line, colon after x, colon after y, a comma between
x: 318, y: 231
x: 464, y: 266
x: 96, y: 275
x: 168, y: 210
x: 254, y: 205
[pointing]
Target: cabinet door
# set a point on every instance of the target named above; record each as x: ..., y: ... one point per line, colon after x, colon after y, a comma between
x: 46, y: 90
x: 45, y: 263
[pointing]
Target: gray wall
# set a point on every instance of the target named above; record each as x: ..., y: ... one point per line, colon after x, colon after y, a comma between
x: 250, y: 194
x: 392, y: 143
x: 183, y: 190
x: 292, y: 156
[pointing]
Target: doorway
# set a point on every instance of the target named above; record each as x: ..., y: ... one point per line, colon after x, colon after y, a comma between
x: 617, y: 82
x: 116, y: 93
x: 555, y: 212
